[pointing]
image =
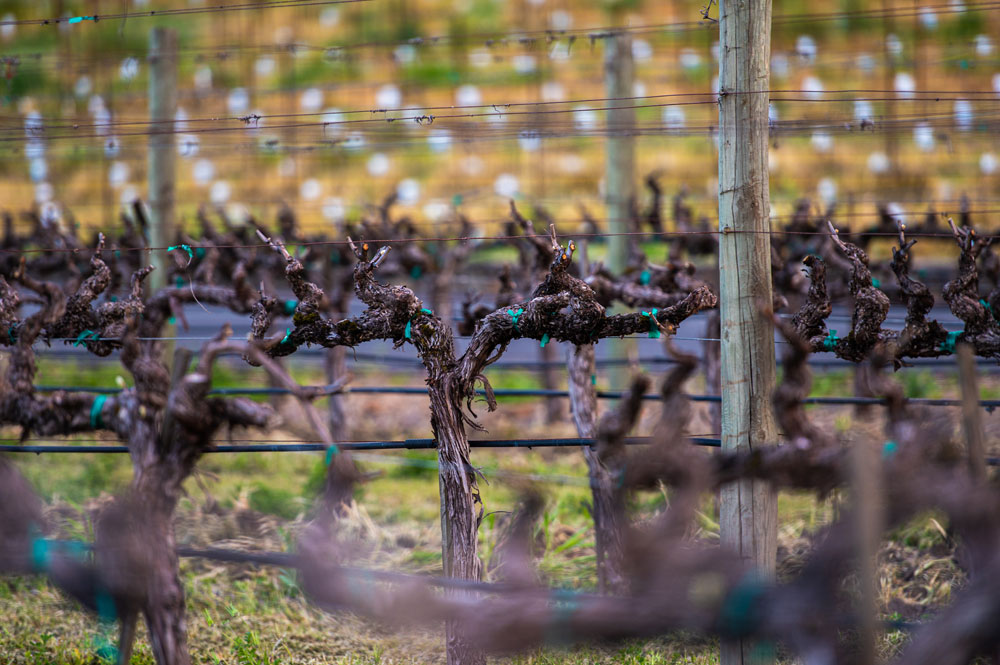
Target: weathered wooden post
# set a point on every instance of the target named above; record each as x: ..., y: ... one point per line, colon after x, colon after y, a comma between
x: 162, y: 155
x: 619, y: 171
x: 748, y: 512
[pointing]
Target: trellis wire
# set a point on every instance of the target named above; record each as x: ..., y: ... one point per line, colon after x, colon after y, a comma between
x: 988, y: 404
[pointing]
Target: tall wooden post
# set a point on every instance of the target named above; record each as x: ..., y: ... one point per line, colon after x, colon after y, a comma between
x: 619, y: 170
x: 162, y: 153
x: 748, y: 512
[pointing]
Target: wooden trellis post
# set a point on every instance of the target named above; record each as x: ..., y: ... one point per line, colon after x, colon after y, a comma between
x: 162, y: 153
x: 748, y: 512
x: 619, y: 170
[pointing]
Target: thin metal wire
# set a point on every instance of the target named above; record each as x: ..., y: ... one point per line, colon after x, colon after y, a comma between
x: 989, y: 404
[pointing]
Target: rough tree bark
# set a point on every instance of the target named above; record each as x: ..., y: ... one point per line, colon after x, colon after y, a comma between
x: 562, y: 308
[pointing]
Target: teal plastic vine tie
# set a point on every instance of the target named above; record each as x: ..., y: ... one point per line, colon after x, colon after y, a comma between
x: 41, y: 550
x: 545, y: 340
x: 186, y: 248
x: 290, y: 306
x: 514, y: 316
x: 948, y: 345
x: 199, y: 252
x: 876, y: 283
x: 654, y: 330
x: 179, y: 282
x: 830, y: 342
x: 738, y: 616
x: 416, y: 272
x: 95, y: 411
x: 407, y: 332
x: 644, y: 277
x: 889, y: 449
x: 593, y: 379
x: 85, y: 335
x: 81, y: 19
x: 288, y: 332
x: 330, y: 452
x: 10, y: 334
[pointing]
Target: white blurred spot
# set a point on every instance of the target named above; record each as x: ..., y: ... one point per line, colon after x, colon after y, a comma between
x: 805, y: 47
x: 83, y: 86
x: 388, y: 97
x: 480, y: 58
x: 813, y: 87
x: 354, y: 142
x: 553, y: 91
x: 878, y: 162
x: 405, y: 54
x: 863, y: 111
x: 220, y: 192
x: 928, y: 18
x: 286, y: 168
x: 408, y: 191
x: 333, y: 209
x: 895, y: 212
x: 779, y: 65
x: 988, y: 163
x: 560, y: 20
x: 310, y: 189
x: 689, y: 58
x: 264, y: 66
x: 865, y: 62
x: 923, y: 136
x: 585, y: 118
x: 524, y: 63
x: 827, y: 190
x: 329, y: 17
x: 8, y: 29
x: 674, y: 117
x: 188, y: 145
x: 439, y: 140
x: 905, y: 85
x: 436, y: 210
x: 378, y: 165
x: 238, y: 100
x: 821, y: 142
x: 203, y: 78
x: 34, y: 149
x: 571, y: 164
x: 772, y: 114
x: 129, y: 69
x: 38, y: 169
x: 311, y: 100
x: 180, y: 120
x: 641, y: 50
x: 118, y: 174
x: 129, y: 195
x: 529, y: 141
x: 468, y: 95
x: 984, y: 46
x: 638, y: 89
x: 112, y: 146
x: 506, y: 185
x: 963, y: 114
x: 473, y: 165
x: 203, y: 171
x: 893, y: 45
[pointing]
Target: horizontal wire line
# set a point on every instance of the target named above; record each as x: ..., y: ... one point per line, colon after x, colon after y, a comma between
x: 390, y: 241
x: 534, y: 392
x: 915, y: 96
x: 180, y: 11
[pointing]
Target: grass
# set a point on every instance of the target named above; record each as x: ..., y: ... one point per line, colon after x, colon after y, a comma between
x: 243, y: 614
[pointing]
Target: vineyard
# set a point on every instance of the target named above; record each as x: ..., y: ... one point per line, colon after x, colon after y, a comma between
x: 283, y: 406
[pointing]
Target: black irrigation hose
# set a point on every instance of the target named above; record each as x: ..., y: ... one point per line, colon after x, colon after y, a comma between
x: 305, y: 447
x: 988, y: 404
